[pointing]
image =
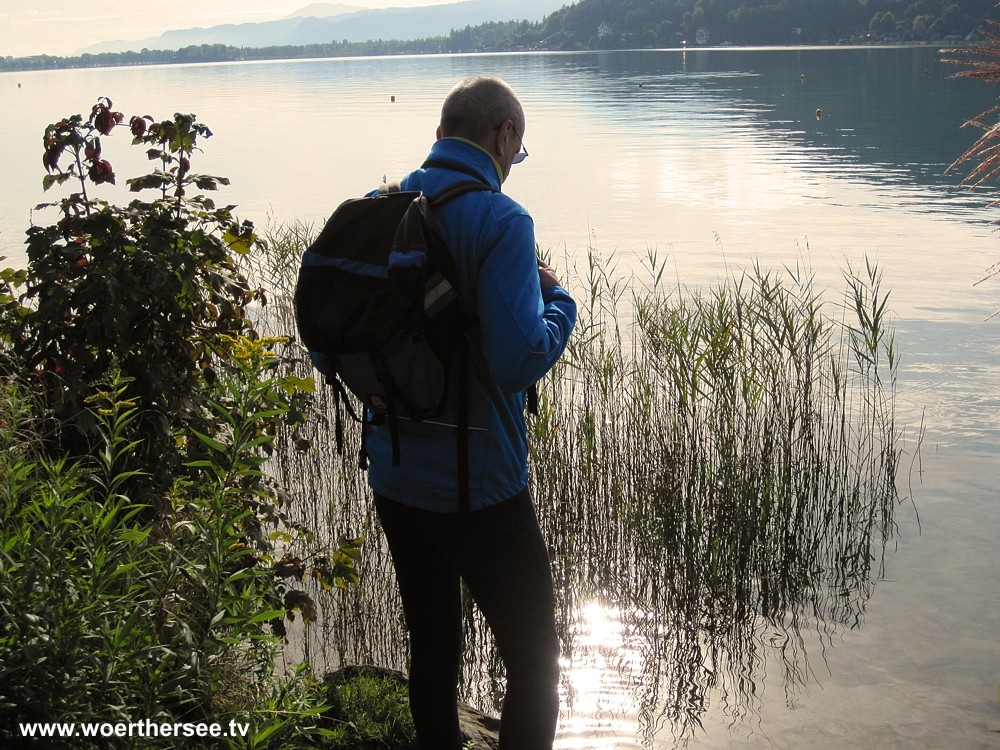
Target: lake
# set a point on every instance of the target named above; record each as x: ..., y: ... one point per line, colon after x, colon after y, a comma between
x: 714, y: 160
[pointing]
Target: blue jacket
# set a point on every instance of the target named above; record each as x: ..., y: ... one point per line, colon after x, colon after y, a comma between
x: 520, y: 335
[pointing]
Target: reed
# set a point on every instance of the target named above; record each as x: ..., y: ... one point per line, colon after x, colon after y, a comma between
x: 726, y: 463
x: 718, y: 463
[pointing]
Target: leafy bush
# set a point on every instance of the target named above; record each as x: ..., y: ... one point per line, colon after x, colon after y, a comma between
x: 142, y: 573
x: 107, y: 617
x: 152, y: 288
x: 76, y: 638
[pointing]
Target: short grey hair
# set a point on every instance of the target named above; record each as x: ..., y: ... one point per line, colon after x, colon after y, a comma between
x: 477, y: 106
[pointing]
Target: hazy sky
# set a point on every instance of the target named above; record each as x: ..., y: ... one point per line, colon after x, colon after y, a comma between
x: 64, y: 27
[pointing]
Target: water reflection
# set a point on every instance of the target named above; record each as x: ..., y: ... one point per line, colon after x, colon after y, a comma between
x: 608, y: 658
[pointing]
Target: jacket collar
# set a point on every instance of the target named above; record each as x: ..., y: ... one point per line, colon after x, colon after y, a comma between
x: 467, y: 155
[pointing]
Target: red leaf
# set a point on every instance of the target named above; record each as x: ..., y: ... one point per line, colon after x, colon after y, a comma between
x: 101, y: 172
x: 104, y: 119
x: 93, y: 149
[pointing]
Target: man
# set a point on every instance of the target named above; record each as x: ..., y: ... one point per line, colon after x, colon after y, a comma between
x: 524, y: 319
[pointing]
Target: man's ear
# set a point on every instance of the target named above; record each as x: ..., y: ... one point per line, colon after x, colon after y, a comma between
x: 502, y: 134
x: 440, y: 133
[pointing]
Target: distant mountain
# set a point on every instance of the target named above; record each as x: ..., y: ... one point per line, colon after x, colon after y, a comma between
x: 324, y: 10
x: 326, y: 23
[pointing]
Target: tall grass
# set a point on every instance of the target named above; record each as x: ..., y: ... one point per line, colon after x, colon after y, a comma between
x: 327, y: 492
x: 720, y: 463
x: 726, y: 461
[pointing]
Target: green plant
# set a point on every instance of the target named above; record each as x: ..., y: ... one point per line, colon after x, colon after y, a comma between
x: 154, y: 291
x: 369, y: 710
x: 151, y: 288
x: 107, y: 617
x: 251, y: 400
x: 144, y: 571
x: 732, y: 452
x: 73, y: 567
x: 290, y: 714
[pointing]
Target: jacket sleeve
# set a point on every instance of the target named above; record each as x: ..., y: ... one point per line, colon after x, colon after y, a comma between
x: 523, y: 331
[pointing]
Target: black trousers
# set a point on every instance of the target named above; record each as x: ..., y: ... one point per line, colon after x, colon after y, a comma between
x: 500, y: 554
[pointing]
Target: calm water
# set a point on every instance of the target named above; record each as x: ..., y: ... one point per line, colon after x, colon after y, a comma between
x: 713, y: 159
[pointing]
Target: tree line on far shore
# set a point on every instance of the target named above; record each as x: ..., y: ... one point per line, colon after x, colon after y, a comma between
x: 603, y: 24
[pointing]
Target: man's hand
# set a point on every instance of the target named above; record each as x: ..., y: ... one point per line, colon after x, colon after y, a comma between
x: 546, y: 276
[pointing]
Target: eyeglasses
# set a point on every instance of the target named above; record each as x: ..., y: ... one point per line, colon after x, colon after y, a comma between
x: 522, y: 153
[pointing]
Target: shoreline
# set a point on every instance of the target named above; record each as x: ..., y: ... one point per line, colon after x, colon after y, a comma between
x: 48, y: 63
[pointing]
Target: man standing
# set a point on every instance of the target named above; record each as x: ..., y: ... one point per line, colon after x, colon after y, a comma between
x: 524, y: 319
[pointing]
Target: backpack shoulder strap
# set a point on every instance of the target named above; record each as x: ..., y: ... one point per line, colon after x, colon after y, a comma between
x: 442, y: 257
x: 447, y: 267
x: 462, y: 390
x: 452, y: 191
x: 456, y: 189
x: 454, y: 166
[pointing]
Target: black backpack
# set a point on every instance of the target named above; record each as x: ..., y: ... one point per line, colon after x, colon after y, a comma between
x: 377, y: 296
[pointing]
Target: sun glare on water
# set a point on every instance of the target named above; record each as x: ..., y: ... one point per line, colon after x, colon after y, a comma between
x: 599, y: 683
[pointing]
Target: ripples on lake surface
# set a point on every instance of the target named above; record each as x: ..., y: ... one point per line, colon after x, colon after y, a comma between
x: 711, y: 159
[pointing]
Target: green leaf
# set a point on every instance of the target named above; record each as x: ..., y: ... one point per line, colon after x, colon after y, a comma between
x: 270, y: 729
x: 156, y: 181
x: 238, y: 244
x: 207, y: 182
x: 267, y: 414
x: 292, y: 384
x: 314, y: 711
x: 351, y: 546
x: 271, y: 614
x: 135, y: 536
x: 211, y: 442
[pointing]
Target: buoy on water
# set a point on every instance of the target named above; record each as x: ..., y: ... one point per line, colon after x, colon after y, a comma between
x: 819, y: 114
